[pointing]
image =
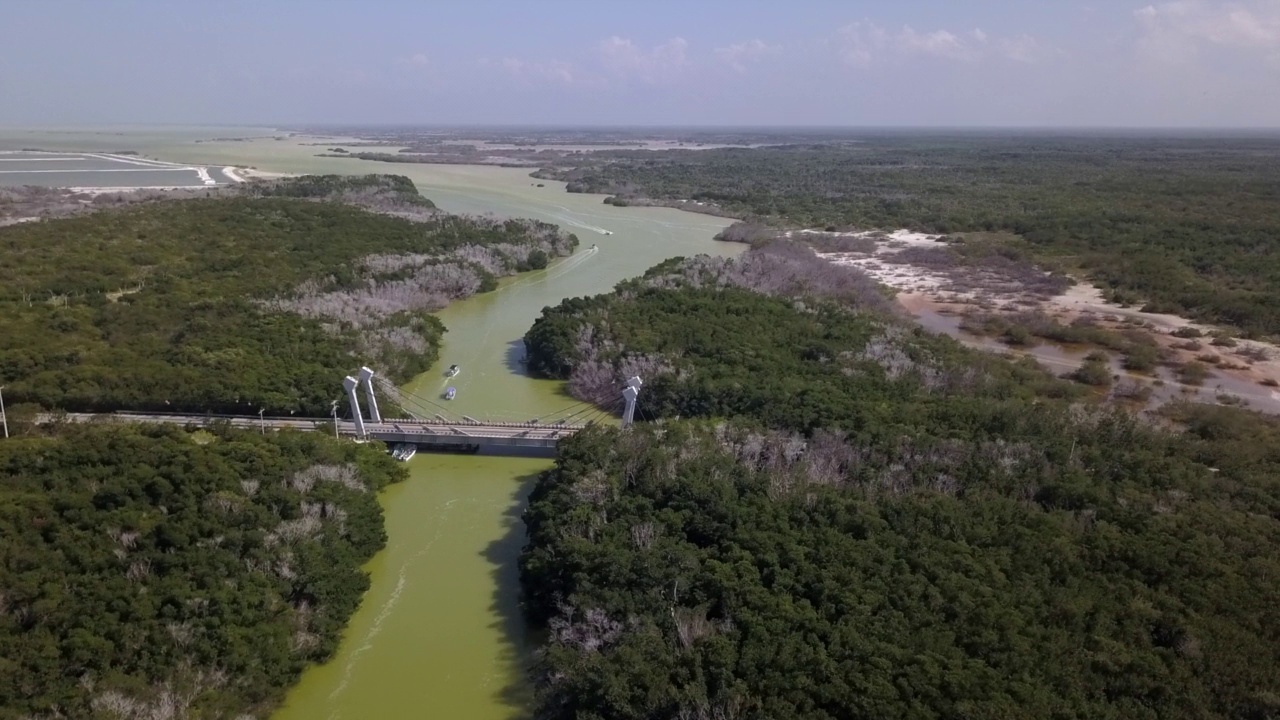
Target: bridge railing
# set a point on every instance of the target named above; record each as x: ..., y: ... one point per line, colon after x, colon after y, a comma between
x: 485, y: 423
x: 322, y: 420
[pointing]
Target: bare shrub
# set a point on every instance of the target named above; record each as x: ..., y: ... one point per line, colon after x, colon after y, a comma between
x: 993, y: 273
x: 165, y: 701
x: 599, y: 381
x: 692, y: 625
x: 430, y: 287
x: 829, y: 459
x: 1254, y: 353
x: 644, y: 534
x: 886, y: 350
x: 1131, y: 390
x: 181, y: 633
x: 747, y: 232
x: 858, y: 243
x: 387, y: 306
x: 593, y: 489
x: 936, y: 258
x: 591, y: 632
x: 287, y: 531
x: 139, y: 570
x: 782, y: 268
x: 347, y: 476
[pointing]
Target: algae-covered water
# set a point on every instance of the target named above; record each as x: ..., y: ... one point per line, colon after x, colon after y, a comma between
x: 439, y: 634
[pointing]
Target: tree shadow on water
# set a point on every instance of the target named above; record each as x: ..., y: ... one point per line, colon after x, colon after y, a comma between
x: 515, y: 357
x: 515, y: 360
x: 519, y: 640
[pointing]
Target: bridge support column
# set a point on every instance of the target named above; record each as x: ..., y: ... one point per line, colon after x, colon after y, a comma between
x: 366, y: 377
x: 349, y: 384
x: 630, y: 394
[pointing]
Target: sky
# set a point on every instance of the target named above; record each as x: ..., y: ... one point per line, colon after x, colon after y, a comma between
x: 988, y: 63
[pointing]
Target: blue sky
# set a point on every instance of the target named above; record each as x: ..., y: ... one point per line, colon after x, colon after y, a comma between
x: 1197, y: 63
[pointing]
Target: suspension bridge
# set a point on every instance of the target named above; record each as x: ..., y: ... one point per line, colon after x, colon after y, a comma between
x: 433, y: 426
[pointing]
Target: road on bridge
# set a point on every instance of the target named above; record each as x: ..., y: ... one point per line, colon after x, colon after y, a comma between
x: 420, y: 432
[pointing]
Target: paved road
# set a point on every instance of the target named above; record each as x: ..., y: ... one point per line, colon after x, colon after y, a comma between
x: 427, y: 430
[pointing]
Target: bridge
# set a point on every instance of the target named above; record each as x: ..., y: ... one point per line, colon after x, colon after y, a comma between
x: 537, y: 436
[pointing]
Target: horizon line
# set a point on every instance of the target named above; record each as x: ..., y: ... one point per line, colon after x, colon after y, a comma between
x: 298, y: 126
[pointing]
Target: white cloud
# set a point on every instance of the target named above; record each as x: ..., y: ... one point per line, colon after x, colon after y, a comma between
x: 416, y: 60
x: 1023, y: 49
x: 1178, y: 31
x: 625, y: 58
x: 861, y: 44
x: 553, y: 71
x: 939, y: 43
x: 739, y: 55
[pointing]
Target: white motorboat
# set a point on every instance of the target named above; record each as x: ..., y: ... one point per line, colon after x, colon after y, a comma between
x: 404, y: 451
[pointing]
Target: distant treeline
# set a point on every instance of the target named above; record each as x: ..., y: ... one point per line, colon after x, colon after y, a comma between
x: 452, y: 157
x: 1186, y: 225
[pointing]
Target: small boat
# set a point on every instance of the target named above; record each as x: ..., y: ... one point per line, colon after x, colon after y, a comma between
x: 450, y: 393
x: 607, y: 232
x: 453, y: 370
x: 404, y: 451
x: 595, y: 247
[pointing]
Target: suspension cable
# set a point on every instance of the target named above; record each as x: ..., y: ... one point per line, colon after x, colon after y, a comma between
x: 389, y: 388
x: 565, y: 409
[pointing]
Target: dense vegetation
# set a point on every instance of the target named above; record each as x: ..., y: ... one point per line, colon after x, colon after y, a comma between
x: 707, y: 341
x: 888, y: 527
x: 391, y: 194
x: 147, y: 572
x: 397, y: 188
x: 1188, y: 225
x: 237, y: 303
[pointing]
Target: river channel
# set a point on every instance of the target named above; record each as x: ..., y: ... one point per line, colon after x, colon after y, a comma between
x: 439, y: 633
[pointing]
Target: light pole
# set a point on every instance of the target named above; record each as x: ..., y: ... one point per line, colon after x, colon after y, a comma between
x: 335, y: 419
x: 3, y: 417
x: 262, y: 421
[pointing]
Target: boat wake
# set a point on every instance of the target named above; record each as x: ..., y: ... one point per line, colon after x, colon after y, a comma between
x: 402, y: 579
x: 569, y: 265
x: 574, y: 222
x: 553, y: 271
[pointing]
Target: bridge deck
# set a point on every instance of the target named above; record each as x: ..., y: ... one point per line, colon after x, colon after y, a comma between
x: 437, y: 433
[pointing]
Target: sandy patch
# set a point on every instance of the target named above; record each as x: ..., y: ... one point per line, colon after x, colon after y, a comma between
x: 913, y: 262
x: 132, y: 188
x: 17, y: 220
x: 1248, y: 360
x: 932, y: 290
x: 906, y: 278
x: 251, y: 174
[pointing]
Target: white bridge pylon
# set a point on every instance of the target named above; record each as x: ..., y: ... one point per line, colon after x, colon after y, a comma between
x: 629, y: 394
x: 349, y: 384
x: 366, y: 377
